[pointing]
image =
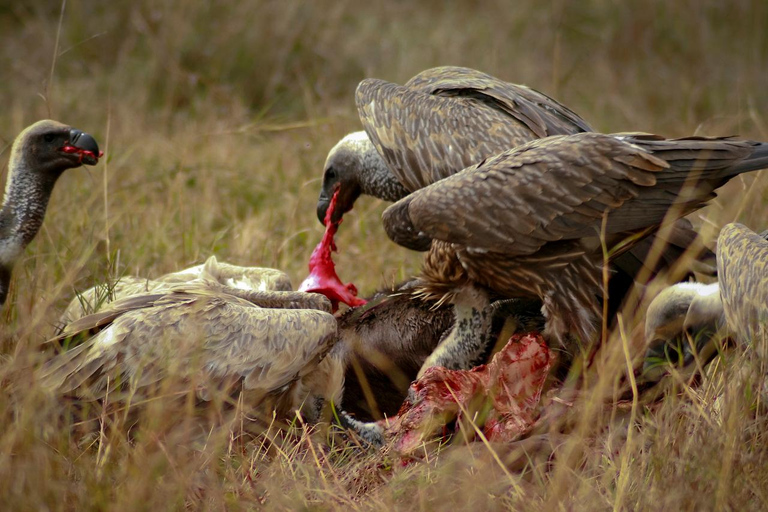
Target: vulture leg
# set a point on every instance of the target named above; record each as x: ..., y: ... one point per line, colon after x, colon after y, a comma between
x: 370, y: 432
x: 462, y: 347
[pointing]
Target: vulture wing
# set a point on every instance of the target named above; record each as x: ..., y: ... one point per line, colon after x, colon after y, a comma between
x: 542, y: 115
x: 559, y: 188
x: 219, y: 336
x: 447, y: 119
x: 742, y: 270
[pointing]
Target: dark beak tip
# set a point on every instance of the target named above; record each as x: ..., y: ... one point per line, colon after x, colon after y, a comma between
x: 89, y: 160
x: 88, y: 143
x: 322, y: 208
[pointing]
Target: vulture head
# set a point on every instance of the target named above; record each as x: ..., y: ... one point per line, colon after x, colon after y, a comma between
x: 354, y: 166
x: 51, y: 147
x: 342, y: 173
x: 686, y: 316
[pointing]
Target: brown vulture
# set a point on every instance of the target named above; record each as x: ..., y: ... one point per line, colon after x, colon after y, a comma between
x: 444, y: 120
x: 539, y: 220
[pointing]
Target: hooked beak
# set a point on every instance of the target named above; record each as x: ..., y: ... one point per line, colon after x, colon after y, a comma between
x: 322, y: 207
x: 682, y: 351
x: 89, y: 149
x: 345, y: 200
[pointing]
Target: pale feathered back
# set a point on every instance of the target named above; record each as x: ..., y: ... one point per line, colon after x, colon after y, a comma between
x: 235, y: 276
x: 262, y: 343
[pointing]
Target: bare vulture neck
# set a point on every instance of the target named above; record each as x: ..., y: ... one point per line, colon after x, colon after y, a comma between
x: 27, y: 192
x: 375, y: 177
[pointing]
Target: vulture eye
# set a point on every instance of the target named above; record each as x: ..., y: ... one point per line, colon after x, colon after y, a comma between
x: 49, y: 137
x: 330, y: 174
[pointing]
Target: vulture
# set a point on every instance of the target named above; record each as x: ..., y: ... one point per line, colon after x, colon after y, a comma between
x: 264, y: 347
x: 248, y: 278
x: 444, y: 120
x: 698, y: 310
x: 39, y: 155
x: 539, y: 220
x: 742, y: 269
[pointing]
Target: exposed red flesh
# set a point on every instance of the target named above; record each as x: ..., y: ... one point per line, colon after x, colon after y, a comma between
x: 510, y: 385
x: 322, y: 276
x: 82, y: 152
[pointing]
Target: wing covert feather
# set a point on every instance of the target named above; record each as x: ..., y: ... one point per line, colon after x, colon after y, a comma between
x: 542, y: 115
x: 558, y: 188
x: 551, y: 189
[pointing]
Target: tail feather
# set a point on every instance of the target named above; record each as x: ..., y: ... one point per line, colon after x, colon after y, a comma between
x: 77, y: 366
x: 56, y: 372
x: 754, y: 162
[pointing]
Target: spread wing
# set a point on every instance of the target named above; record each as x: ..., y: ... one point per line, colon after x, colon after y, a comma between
x: 220, y: 336
x: 445, y: 121
x: 559, y: 188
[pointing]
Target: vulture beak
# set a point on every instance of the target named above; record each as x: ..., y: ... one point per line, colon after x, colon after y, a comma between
x: 87, y: 146
x: 345, y: 200
x: 680, y: 352
x: 322, y: 207
x: 324, y: 202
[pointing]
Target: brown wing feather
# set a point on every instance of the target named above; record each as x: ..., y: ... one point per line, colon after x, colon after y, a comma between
x: 439, y: 126
x: 550, y: 190
x: 559, y: 188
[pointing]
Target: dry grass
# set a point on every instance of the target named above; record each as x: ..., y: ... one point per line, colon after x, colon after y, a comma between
x: 217, y: 117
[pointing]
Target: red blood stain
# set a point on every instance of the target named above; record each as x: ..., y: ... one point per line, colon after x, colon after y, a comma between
x: 322, y: 276
x: 81, y: 152
x: 510, y: 384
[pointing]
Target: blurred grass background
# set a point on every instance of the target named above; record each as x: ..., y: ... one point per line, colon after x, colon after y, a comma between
x: 216, y: 118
